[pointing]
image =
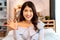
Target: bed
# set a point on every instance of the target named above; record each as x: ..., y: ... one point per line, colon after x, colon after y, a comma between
x: 51, y: 35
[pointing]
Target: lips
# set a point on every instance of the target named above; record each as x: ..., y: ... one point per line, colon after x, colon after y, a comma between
x: 28, y: 16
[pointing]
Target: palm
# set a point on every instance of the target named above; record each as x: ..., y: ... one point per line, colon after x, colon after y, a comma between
x: 12, y: 24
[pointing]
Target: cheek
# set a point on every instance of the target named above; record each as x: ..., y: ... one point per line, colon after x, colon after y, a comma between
x: 32, y: 14
x: 24, y: 13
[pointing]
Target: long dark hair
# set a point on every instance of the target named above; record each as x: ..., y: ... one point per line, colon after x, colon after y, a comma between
x: 34, y: 20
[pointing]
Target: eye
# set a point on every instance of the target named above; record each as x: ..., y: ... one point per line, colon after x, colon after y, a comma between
x: 31, y: 11
x: 25, y: 10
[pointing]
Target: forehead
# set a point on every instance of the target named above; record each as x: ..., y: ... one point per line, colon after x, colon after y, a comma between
x: 27, y: 7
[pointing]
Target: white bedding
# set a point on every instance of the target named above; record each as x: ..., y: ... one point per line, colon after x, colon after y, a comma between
x: 49, y: 35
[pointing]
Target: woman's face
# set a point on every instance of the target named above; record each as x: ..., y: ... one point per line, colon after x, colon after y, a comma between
x: 27, y: 13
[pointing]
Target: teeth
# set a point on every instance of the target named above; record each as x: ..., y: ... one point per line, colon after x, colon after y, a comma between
x: 28, y: 16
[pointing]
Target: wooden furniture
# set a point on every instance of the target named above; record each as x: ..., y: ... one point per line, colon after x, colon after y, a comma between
x: 50, y: 24
x: 2, y: 33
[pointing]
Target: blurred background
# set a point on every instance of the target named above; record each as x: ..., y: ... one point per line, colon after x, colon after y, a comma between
x: 9, y: 9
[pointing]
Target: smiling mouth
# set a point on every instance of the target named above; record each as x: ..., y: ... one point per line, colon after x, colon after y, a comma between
x: 28, y: 16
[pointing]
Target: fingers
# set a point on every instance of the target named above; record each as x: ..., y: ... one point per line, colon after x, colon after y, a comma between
x: 6, y: 25
x: 11, y: 23
x: 8, y: 22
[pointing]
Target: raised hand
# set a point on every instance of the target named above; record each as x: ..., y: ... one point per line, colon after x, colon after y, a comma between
x: 12, y: 24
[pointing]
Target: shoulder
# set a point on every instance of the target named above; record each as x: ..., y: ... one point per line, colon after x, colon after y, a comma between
x: 40, y: 24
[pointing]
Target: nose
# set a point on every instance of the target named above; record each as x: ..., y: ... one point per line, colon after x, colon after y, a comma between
x: 28, y: 13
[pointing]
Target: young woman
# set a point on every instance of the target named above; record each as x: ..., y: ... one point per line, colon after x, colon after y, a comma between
x: 28, y: 27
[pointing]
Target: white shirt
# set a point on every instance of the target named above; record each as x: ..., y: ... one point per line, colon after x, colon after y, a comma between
x: 28, y: 33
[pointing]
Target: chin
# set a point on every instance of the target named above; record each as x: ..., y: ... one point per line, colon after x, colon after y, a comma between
x: 28, y: 19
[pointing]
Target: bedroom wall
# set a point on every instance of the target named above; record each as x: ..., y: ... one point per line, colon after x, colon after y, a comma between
x: 57, y: 11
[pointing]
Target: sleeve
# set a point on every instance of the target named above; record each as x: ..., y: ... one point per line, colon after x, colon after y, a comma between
x: 41, y: 28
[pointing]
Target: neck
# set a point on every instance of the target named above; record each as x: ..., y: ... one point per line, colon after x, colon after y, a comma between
x: 28, y: 22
